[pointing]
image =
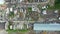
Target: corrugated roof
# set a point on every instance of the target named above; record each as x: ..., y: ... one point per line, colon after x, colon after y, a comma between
x: 47, y: 27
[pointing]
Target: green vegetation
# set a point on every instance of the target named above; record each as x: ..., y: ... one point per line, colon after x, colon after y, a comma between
x: 56, y: 5
x: 10, y: 30
x: 50, y: 7
x: 29, y: 9
x: 11, y: 14
x: 20, y: 31
x: 9, y: 25
x: 39, y: 6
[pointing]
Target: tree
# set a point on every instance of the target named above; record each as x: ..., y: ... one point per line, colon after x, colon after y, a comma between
x: 11, y: 15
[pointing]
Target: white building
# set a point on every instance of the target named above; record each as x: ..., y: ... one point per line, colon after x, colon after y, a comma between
x: 11, y: 9
x: 44, y: 12
x: 34, y: 8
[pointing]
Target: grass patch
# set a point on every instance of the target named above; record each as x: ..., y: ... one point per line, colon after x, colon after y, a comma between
x: 12, y: 31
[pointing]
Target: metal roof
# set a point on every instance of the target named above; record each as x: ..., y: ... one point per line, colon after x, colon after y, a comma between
x: 47, y: 27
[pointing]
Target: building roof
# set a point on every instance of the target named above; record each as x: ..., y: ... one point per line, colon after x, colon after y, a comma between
x: 3, y: 7
x: 47, y: 27
x: 2, y: 25
x: 49, y: 14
